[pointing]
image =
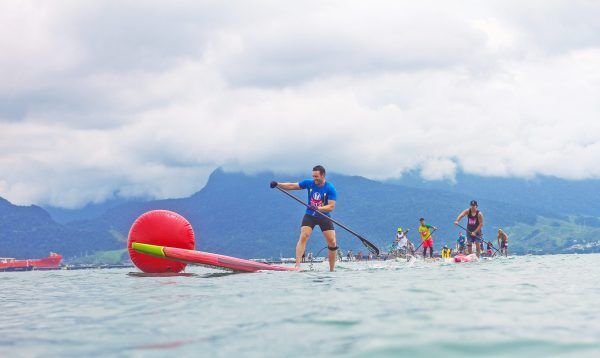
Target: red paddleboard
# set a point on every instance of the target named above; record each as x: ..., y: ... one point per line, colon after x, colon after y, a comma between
x: 200, y: 258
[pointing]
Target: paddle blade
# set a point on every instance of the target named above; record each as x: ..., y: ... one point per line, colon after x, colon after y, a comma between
x: 372, y: 248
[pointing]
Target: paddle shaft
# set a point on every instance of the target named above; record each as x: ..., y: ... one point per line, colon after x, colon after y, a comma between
x: 422, y: 241
x: 477, y: 236
x: 372, y: 248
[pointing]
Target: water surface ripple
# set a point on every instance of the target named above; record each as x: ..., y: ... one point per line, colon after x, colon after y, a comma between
x: 517, y: 306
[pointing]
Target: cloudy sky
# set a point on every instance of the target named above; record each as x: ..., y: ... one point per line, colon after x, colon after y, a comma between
x: 146, y: 98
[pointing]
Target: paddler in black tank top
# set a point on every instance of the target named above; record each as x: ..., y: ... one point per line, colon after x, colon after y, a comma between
x: 474, y: 226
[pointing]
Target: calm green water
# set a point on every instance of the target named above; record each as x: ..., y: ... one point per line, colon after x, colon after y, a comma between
x: 523, y: 306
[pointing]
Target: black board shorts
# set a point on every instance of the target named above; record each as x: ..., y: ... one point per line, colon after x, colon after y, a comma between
x: 312, y: 221
x: 472, y: 239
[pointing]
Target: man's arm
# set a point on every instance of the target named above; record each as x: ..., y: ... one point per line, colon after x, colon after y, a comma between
x: 289, y: 186
x: 327, y: 208
x: 332, y: 196
x: 462, y: 215
x: 478, y: 229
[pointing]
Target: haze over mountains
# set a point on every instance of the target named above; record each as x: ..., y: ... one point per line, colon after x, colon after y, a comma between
x: 581, y: 197
x: 238, y: 214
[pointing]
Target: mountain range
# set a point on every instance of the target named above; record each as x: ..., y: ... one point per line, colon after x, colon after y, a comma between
x: 579, y: 197
x: 238, y: 214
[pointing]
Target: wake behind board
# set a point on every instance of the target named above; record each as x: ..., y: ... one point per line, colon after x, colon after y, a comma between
x: 200, y: 258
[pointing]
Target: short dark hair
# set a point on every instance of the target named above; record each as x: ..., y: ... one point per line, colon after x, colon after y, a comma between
x: 320, y: 169
x: 421, y: 219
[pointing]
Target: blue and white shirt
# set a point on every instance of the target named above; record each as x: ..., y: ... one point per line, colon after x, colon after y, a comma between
x: 318, y: 195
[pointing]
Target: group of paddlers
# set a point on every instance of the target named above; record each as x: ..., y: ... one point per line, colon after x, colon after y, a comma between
x: 403, y: 247
x: 322, y: 197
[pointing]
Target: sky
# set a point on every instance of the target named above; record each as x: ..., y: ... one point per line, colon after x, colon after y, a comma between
x: 105, y: 99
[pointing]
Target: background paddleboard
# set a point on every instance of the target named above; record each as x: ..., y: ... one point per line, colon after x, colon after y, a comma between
x: 465, y: 258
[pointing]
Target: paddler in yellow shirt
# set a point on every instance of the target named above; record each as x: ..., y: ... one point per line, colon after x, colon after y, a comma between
x: 425, y: 231
x: 446, y: 252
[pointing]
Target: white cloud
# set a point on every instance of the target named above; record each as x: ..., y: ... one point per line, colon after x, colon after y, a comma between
x: 146, y: 98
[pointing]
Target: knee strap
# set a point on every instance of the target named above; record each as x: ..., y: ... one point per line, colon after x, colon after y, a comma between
x: 332, y: 248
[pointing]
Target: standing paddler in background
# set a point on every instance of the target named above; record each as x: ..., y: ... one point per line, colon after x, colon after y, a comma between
x: 321, y: 197
x: 401, y: 242
x: 474, y: 226
x: 503, y: 242
x: 460, y: 243
x: 425, y: 231
x: 410, y: 248
x: 488, y: 248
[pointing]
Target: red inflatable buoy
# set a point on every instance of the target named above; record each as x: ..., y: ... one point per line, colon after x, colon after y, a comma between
x: 164, y: 228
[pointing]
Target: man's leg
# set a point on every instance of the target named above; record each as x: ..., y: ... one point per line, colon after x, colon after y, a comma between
x: 331, y: 242
x: 478, y: 247
x: 305, y: 232
x: 470, y: 247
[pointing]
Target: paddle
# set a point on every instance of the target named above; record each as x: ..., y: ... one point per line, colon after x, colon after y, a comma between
x: 480, y: 237
x: 500, y: 252
x: 422, y: 241
x: 496, y: 252
x: 372, y: 248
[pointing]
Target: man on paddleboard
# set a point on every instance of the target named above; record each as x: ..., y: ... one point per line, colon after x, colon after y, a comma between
x: 401, y: 242
x: 503, y: 242
x: 446, y: 252
x: 488, y: 247
x: 425, y: 231
x: 321, y: 197
x: 460, y: 243
x: 474, y: 226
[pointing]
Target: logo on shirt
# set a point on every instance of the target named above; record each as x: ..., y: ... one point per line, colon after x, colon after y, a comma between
x: 316, y: 199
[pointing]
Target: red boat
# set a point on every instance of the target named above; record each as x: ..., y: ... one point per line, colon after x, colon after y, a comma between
x: 50, y: 262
